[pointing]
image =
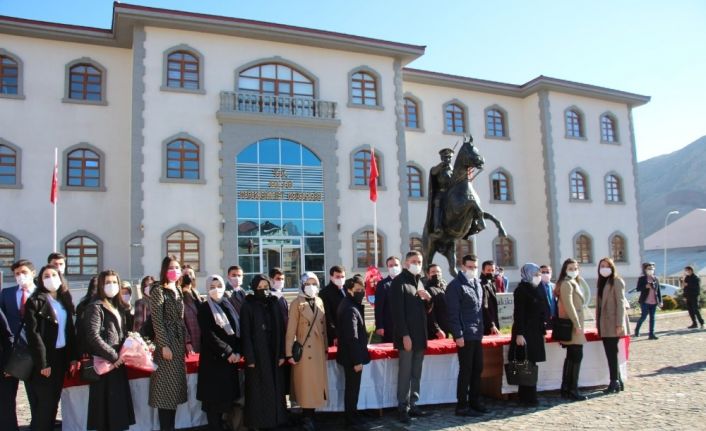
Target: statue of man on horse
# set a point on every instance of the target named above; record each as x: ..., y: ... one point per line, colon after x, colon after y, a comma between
x: 454, y: 210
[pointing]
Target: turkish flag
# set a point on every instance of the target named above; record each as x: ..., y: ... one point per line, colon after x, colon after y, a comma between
x: 373, y: 180
x: 54, y: 196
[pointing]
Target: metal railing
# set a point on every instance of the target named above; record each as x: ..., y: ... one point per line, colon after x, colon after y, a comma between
x: 233, y: 101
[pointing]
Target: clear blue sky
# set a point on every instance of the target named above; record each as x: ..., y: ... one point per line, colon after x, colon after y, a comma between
x: 650, y: 47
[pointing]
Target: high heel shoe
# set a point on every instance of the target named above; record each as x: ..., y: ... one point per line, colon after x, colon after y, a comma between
x: 613, y: 387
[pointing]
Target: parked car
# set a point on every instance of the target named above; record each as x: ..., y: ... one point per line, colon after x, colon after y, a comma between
x: 667, y: 289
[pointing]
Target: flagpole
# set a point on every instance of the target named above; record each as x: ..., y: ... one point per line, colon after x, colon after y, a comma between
x: 375, y: 216
x: 56, y: 164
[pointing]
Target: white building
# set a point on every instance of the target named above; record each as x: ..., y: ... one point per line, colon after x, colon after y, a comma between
x: 234, y: 141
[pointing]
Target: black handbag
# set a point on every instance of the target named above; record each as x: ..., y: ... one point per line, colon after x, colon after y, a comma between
x: 297, y: 347
x: 522, y: 373
x: 86, y: 371
x: 20, y: 363
x: 562, y: 329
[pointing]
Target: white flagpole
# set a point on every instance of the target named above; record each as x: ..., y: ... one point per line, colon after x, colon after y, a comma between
x: 375, y: 215
x: 56, y: 201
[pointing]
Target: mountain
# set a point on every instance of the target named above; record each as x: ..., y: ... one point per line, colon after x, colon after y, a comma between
x: 675, y: 181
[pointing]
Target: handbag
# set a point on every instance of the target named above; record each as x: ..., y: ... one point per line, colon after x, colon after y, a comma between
x: 562, y: 329
x: 297, y: 347
x: 522, y: 373
x: 20, y: 363
x: 87, y: 371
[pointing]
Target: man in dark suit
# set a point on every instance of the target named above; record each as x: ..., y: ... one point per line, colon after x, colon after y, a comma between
x: 410, y: 304
x: 438, y: 317
x: 383, y: 313
x: 491, y: 321
x: 234, y: 287
x: 332, y: 295
x: 352, y: 345
x: 12, y: 304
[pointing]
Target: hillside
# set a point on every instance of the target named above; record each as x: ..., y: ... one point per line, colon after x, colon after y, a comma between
x: 675, y: 181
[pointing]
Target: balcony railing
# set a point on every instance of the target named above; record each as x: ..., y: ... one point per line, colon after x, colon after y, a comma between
x: 233, y: 101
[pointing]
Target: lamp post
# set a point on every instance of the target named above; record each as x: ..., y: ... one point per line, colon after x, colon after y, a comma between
x: 664, y: 278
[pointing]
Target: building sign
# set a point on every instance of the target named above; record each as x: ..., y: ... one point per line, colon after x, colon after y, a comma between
x: 506, y: 306
x: 290, y: 183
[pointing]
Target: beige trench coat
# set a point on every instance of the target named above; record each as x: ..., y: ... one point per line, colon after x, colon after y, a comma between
x: 610, y: 310
x: 309, y: 381
x: 571, y: 302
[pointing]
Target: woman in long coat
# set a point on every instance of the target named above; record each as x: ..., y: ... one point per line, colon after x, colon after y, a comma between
x: 309, y: 381
x: 571, y: 301
x: 261, y: 336
x: 168, y: 382
x: 610, y: 317
x: 528, y: 327
x: 218, y: 385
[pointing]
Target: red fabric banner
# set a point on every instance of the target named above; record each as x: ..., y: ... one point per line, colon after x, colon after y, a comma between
x: 373, y: 180
x: 54, y: 194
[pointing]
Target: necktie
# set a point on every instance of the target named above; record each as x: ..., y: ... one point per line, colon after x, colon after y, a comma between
x: 23, y: 301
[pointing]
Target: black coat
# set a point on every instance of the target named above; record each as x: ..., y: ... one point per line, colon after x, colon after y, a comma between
x: 438, y: 316
x: 352, y: 336
x: 528, y: 321
x: 104, y: 334
x: 409, y: 311
x: 692, y: 286
x: 6, y: 341
x: 644, y: 289
x: 383, y: 310
x: 490, y: 305
x: 262, y: 341
x: 332, y: 297
x: 42, y: 329
x: 218, y: 379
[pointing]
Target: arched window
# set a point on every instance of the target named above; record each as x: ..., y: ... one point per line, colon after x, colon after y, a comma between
x: 9, y: 166
x: 364, y: 249
x: 463, y: 248
x: 411, y: 113
x: 183, y: 70
x: 84, y: 168
x: 361, y: 167
x: 577, y: 186
x: 186, y: 246
x: 454, y: 118
x: 82, y: 255
x: 608, y: 129
x: 364, y: 89
x: 583, y: 248
x: 414, y: 182
x: 183, y: 160
x: 85, y: 82
x: 495, y: 123
x: 504, y: 248
x: 613, y: 189
x: 9, y: 76
x: 276, y: 79
x: 415, y: 243
x: 8, y: 255
x: 617, y: 248
x: 574, y: 124
x: 501, y: 185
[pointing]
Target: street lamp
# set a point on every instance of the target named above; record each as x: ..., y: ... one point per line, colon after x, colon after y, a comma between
x: 664, y: 279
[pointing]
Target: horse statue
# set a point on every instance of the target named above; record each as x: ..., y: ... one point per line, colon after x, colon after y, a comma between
x: 460, y: 215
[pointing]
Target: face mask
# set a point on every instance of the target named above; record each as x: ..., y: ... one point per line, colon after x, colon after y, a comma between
x: 186, y: 279
x: 147, y: 290
x: 605, y: 272
x: 173, y: 275
x: 279, y: 284
x: 262, y: 293
x: 310, y: 290
x: 434, y: 279
x: 572, y: 274
x: 535, y: 280
x: 546, y: 278
x: 650, y: 272
x: 471, y: 273
x: 23, y: 280
x: 126, y: 298
x: 236, y: 282
x: 394, y: 271
x: 217, y: 293
x: 52, y: 284
x: 358, y: 296
x: 339, y: 282
x: 415, y: 268
x: 111, y: 289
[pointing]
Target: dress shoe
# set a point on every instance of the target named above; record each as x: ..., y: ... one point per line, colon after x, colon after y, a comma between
x: 613, y: 387
x: 529, y: 403
x: 404, y: 416
x: 416, y: 412
x: 466, y: 413
x: 692, y: 326
x: 480, y: 408
x: 652, y: 337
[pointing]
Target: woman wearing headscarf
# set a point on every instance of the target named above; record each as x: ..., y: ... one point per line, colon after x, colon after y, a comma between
x: 571, y: 301
x: 528, y: 327
x: 261, y: 336
x: 307, y: 325
x: 610, y: 317
x: 218, y: 386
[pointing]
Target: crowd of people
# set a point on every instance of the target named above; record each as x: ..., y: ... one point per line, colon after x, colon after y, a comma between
x: 281, y: 348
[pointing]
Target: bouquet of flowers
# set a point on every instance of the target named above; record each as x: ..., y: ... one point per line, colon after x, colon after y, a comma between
x: 135, y: 353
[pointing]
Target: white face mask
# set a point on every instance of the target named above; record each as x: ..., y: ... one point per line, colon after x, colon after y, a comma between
x: 217, y: 293
x: 650, y: 272
x: 147, y: 290
x: 24, y: 280
x: 471, y: 273
x: 339, y: 281
x: 605, y: 272
x: 236, y: 282
x: 536, y: 279
x: 572, y: 274
x: 394, y: 271
x: 126, y: 298
x: 311, y: 290
x: 111, y: 289
x: 278, y: 285
x: 415, y: 268
x: 546, y: 278
x: 52, y: 283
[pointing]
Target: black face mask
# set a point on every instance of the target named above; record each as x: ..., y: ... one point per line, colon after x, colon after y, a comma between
x: 486, y: 276
x: 262, y: 293
x: 186, y: 280
x: 358, y: 296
